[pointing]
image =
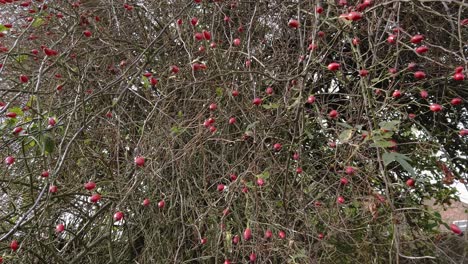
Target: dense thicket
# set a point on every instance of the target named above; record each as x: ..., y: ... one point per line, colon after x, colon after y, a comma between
x: 211, y: 125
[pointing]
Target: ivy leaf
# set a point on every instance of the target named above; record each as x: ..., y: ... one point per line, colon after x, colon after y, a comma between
x: 271, y: 106
x: 38, y: 22
x: 345, y: 135
x: 3, y: 28
x: 49, y: 144
x: 400, y: 158
x: 390, y: 125
x: 219, y: 91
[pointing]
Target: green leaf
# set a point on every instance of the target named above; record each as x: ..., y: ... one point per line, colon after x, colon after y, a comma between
x: 400, y: 158
x: 38, y: 22
x: 18, y: 111
x: 264, y: 175
x: 3, y: 28
x: 271, y: 106
x: 345, y: 135
x: 146, y: 83
x: 219, y: 91
x: 49, y: 144
x: 390, y: 125
x: 21, y: 58
x: 180, y: 114
x: 382, y: 143
x: 177, y: 130
x: 250, y: 127
x: 344, y: 125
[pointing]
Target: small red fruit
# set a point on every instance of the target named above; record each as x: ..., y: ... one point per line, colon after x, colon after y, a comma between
x: 350, y: 170
x: 363, y: 73
x: 354, y: 16
x: 456, y: 101
x: 344, y: 181
x: 161, y: 204
x: 252, y: 257
x: 235, y: 93
x: 268, y: 234
x: 247, y: 234
x: 391, y: 39
x: 282, y: 234
x: 410, y: 182
x: 51, y: 121
x: 333, y: 66
x: 236, y: 42
x: 24, y: 78
x: 233, y: 177
x: 319, y: 10
x: 14, y: 245
x: 423, y: 94
x: 95, y: 198
x: 419, y: 75
x: 146, y: 202
x: 422, y: 49
x: 260, y: 182
x: 411, y: 116
x: 206, y: 35
x: 220, y: 187
x: 90, y: 186
x: 11, y: 114
x: 459, y: 76
x: 269, y: 90
x: 232, y: 120
x: 464, y: 132
x: 9, y: 160
x: 174, y: 69
x: 59, y: 228
x: 396, y: 94
x: 213, y: 106
x: 299, y: 170
x: 45, y: 174
x: 140, y: 161
x: 198, y: 36
x: 340, y: 200
x: 17, y: 130
x: 194, y: 21
x: 311, y: 99
x: 296, y: 156
x: 293, y: 23
x: 435, y: 107
x: 356, y: 41
x: 118, y: 216
x: 417, y: 38
x: 203, y: 240
x: 53, y: 189
x: 87, y: 33
x: 320, y: 236
x: 333, y: 114
x: 455, y: 229
x: 257, y: 101
x: 235, y: 239
x: 277, y: 146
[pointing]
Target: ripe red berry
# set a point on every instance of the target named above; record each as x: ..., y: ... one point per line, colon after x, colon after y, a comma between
x: 356, y: 41
x: 206, y: 35
x: 45, y: 174
x: 410, y: 182
x: 435, y: 107
x: 232, y: 120
x: 268, y: 234
x: 350, y: 170
x: 333, y: 66
x: 174, y: 69
x: 363, y: 73
x: 14, y: 245
x: 87, y: 33
x: 194, y: 21
x: 235, y: 239
x: 391, y: 39
x: 299, y: 170
x: 269, y: 90
x: 282, y: 234
x: 140, y: 161
x: 161, y: 204
x: 220, y: 187
x: 459, y: 76
x: 260, y: 182
x: 354, y: 16
x: 257, y: 101
x: 333, y: 114
x: 60, y: 228
x: 464, y: 132
x: 340, y: 200
x: 277, y: 146
x: 396, y: 94
x: 9, y: 160
x: 252, y: 257
x: 455, y: 229
x: 90, y: 186
x: 344, y: 181
x: 247, y: 234
x: 419, y: 75
x: 311, y: 99
x: 95, y: 198
x: 53, y: 189
x: 17, y: 130
x: 422, y: 49
x: 423, y: 94
x: 235, y: 93
x: 51, y: 121
x: 417, y: 38
x: 456, y: 101
x: 24, y: 78
x: 236, y: 42
x: 293, y: 23
x: 319, y: 10
x: 146, y: 202
x: 118, y: 216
